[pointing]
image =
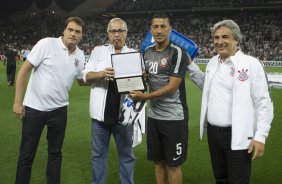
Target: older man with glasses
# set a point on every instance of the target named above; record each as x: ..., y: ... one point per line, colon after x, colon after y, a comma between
x: 105, y: 107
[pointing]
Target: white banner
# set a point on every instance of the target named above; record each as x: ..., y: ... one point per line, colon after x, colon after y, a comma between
x: 275, y: 79
x: 272, y: 63
x: 266, y: 63
x: 201, y: 61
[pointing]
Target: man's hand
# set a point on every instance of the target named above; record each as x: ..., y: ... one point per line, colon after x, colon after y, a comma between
x: 109, y: 73
x: 145, y: 76
x: 18, y: 110
x: 257, y: 148
x: 137, y: 95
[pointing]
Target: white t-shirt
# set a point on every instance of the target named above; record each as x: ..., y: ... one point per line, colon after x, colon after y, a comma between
x: 53, y: 74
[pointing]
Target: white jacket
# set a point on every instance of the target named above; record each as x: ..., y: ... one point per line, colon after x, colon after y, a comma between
x: 99, y: 59
x: 252, y: 108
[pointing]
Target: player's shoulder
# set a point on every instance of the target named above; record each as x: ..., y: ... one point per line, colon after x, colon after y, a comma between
x: 177, y: 48
x: 149, y: 48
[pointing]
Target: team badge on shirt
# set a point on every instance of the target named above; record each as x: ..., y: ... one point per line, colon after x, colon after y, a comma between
x: 76, y: 61
x: 163, y: 62
x: 232, y: 71
x: 243, y: 75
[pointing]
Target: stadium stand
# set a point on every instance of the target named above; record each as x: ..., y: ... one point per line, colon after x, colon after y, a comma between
x: 184, y: 5
x: 261, y: 29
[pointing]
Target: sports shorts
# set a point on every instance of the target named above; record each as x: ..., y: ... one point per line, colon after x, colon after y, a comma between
x: 167, y: 140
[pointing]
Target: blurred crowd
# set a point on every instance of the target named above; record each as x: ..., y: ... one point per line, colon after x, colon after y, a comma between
x: 261, y: 31
x: 148, y: 5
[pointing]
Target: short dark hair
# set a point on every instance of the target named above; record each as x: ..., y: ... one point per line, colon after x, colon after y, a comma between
x: 77, y: 20
x: 161, y: 15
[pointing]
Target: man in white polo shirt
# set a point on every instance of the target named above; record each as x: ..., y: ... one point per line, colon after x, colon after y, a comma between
x: 55, y: 63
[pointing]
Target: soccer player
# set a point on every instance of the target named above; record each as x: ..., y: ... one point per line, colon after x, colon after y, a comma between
x: 167, y: 136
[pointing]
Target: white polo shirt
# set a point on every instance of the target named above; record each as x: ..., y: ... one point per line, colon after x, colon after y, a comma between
x: 220, y: 96
x: 53, y: 74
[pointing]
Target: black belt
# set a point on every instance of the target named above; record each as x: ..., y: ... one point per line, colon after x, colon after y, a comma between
x: 217, y: 128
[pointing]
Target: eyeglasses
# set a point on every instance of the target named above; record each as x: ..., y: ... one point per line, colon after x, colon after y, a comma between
x: 119, y: 31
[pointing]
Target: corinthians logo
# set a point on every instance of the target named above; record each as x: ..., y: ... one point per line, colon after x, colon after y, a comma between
x: 76, y: 61
x: 243, y: 76
x: 163, y: 62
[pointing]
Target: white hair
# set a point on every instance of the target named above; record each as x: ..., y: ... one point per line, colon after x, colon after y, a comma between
x: 117, y: 20
x: 233, y: 26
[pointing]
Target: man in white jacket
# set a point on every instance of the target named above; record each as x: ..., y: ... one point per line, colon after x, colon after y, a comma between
x: 237, y: 109
x: 105, y: 103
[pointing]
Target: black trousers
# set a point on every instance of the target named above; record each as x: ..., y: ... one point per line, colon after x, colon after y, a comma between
x: 229, y: 166
x: 32, y: 127
x: 11, y: 73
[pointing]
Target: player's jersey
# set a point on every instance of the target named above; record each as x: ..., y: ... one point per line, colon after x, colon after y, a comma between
x: 160, y: 65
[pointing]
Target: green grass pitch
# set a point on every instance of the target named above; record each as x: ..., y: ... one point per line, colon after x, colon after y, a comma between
x: 76, y: 168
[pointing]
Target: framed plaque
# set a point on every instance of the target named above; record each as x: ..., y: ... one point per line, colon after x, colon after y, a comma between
x: 128, y: 72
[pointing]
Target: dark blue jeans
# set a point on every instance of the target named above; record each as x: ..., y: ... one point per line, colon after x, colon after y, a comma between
x: 32, y: 127
x: 229, y: 166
